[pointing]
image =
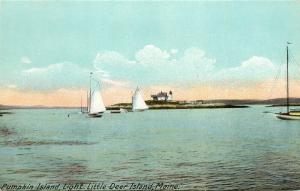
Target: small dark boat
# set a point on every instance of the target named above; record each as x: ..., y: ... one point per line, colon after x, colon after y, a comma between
x: 117, y: 110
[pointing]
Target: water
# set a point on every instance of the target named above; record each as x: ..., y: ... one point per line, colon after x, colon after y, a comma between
x: 205, y: 149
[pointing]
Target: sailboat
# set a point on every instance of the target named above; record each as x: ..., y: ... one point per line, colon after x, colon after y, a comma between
x: 96, y: 107
x: 138, y: 103
x: 289, y: 114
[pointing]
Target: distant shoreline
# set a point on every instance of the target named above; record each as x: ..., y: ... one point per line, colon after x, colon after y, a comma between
x: 284, y: 105
x: 200, y: 104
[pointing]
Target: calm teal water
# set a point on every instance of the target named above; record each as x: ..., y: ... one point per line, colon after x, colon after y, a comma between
x: 217, y: 149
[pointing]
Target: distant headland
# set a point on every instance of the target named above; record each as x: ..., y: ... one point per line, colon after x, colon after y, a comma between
x: 173, y: 104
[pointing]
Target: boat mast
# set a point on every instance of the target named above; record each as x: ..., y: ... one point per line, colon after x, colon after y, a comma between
x: 90, y: 91
x: 287, y: 79
x: 81, y: 104
x: 87, y: 101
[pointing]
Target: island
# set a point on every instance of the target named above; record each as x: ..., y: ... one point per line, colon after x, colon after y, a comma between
x: 198, y: 104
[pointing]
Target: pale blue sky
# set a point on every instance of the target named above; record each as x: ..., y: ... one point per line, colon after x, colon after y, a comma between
x: 58, y: 42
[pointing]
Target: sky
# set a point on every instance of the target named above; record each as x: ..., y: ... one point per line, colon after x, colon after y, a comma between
x: 198, y: 49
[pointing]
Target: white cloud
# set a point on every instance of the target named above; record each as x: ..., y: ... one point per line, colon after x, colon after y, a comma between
x: 257, y: 62
x: 55, y: 76
x: 151, y: 66
x: 111, y: 64
x: 25, y: 60
x: 107, y: 57
x: 50, y: 68
x: 196, y: 57
x: 154, y: 65
x: 12, y: 86
x: 115, y: 82
x: 152, y: 55
x: 255, y: 68
x: 173, y: 51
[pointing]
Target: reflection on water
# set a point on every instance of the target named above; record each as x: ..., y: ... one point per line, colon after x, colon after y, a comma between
x: 4, y: 132
x: 197, y: 149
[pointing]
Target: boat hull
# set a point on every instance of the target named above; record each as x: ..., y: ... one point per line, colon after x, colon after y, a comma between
x: 115, y: 111
x: 288, y: 116
x: 95, y: 115
x: 297, y: 113
x: 139, y: 110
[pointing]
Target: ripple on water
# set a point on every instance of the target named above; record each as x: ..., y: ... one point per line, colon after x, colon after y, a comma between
x: 26, y: 143
x: 5, y: 132
x: 236, y: 159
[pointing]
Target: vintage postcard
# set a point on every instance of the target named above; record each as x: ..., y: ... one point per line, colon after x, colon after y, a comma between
x: 149, y: 95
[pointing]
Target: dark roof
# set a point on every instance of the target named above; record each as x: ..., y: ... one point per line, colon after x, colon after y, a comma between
x: 160, y: 94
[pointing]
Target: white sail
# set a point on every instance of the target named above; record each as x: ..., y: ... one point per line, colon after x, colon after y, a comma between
x: 96, y: 105
x: 138, y: 102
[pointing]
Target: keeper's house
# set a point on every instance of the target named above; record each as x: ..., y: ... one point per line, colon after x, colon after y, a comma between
x: 163, y: 96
